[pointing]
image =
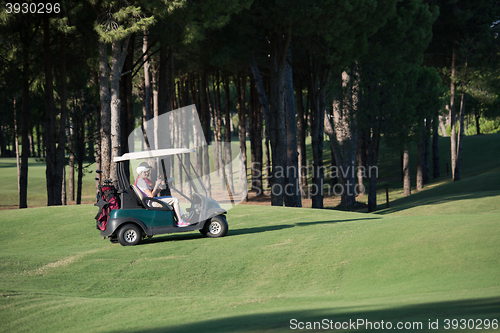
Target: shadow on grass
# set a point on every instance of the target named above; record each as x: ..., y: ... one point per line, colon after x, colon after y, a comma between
x: 480, y: 186
x: 427, y: 198
x: 8, y: 164
x: 301, y: 224
x: 417, y: 316
x: 247, y: 231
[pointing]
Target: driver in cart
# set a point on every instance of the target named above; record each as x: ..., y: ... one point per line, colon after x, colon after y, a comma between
x: 143, y: 183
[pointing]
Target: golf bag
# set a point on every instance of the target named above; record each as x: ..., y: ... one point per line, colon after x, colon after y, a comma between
x: 107, y: 200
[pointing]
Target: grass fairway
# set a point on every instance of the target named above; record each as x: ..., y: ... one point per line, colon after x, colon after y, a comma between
x: 275, y: 264
x: 430, y: 257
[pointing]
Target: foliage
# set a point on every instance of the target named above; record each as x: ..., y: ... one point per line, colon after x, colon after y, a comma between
x: 383, y: 40
x: 393, y: 87
x: 419, y: 99
x: 488, y: 126
x: 116, y: 22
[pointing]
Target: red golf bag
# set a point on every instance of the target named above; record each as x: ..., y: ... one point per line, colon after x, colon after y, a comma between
x: 107, y: 200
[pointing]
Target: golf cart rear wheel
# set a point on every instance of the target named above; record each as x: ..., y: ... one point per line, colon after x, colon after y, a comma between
x: 129, y: 234
x: 216, y: 227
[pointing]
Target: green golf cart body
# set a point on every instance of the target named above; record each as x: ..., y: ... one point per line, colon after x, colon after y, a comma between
x: 140, y: 217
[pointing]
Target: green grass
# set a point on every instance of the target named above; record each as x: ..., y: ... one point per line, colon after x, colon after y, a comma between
x: 480, y: 182
x: 37, y: 186
x: 480, y: 176
x: 432, y: 256
x: 275, y: 264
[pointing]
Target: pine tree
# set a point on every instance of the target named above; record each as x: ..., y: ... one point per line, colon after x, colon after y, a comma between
x: 115, y: 25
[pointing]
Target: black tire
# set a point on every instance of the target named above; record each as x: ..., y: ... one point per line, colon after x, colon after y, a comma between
x: 113, y: 240
x: 215, y: 227
x: 129, y: 234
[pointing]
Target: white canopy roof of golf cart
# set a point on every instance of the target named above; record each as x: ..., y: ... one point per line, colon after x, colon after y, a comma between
x: 152, y: 154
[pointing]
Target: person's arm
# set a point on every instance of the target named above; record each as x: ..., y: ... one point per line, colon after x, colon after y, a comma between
x: 148, y: 193
x: 155, y: 190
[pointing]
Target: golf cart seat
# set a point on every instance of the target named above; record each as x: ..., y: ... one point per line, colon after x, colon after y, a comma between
x: 148, y: 202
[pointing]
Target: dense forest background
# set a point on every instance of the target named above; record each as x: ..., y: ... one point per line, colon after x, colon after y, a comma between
x: 75, y: 81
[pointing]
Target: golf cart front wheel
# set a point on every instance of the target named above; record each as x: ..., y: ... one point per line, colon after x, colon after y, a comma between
x: 215, y: 227
x: 129, y: 234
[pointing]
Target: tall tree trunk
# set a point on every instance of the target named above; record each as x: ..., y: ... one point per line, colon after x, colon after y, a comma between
x: 228, y: 167
x: 258, y: 146
x: 420, y: 161
x: 119, y: 53
x: 453, y: 135
x: 147, y: 113
x: 105, y: 131
x: 458, y: 164
x: 206, y: 131
x: 163, y: 84
x: 279, y: 43
x: 79, y: 185
x: 23, y: 181
x: 53, y: 186
x: 16, y: 148
x: 301, y: 136
x: 217, y: 121
x: 71, y: 164
x: 406, y: 173
x: 427, y: 150
x: 292, y: 193
x: 39, y: 140
x: 31, y: 145
x: 360, y: 162
x: 264, y: 103
x: 241, y: 84
x: 164, y: 99
x: 171, y: 94
x: 3, y: 144
x: 97, y: 155
x: 186, y: 134
x: 334, y: 179
x: 64, y: 196
x: 477, y: 116
x: 372, y: 149
x: 93, y: 129
x: 61, y: 148
x: 256, y: 140
x: 71, y: 148
x: 127, y: 112
x: 435, y: 147
x: 80, y: 155
x: 198, y: 159
x: 264, y: 106
x: 156, y: 110
x: 308, y: 110
x: 372, y: 159
x: 346, y: 138
x: 79, y: 143
x: 267, y: 152
x: 319, y: 77
x: 442, y: 126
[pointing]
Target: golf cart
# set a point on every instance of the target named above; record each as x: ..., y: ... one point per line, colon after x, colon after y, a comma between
x: 127, y: 216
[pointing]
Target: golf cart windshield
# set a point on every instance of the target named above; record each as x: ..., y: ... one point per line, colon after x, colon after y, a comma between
x: 174, y: 146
